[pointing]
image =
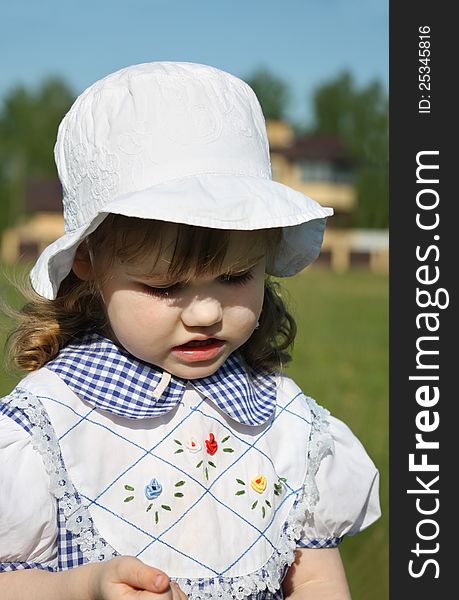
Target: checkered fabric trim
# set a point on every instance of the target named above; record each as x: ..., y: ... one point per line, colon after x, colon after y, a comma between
x: 18, y: 566
x: 248, y: 400
x: 331, y: 542
x: 109, y: 378
x: 17, y: 415
x: 69, y: 553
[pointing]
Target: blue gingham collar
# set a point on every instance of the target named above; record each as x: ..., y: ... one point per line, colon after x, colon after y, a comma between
x: 109, y: 378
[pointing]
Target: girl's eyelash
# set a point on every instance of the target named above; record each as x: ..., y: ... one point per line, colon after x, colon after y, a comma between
x: 229, y: 279
x: 237, y: 279
x: 165, y: 291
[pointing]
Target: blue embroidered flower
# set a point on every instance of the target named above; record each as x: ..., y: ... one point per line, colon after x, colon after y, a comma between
x: 153, y: 489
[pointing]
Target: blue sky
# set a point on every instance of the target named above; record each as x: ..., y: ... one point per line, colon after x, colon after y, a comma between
x: 305, y: 42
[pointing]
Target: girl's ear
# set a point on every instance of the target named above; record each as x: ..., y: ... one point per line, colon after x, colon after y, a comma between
x: 82, y: 265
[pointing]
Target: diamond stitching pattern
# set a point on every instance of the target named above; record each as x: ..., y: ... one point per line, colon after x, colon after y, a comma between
x: 150, y: 452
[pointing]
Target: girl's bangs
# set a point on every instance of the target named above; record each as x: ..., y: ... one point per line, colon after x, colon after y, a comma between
x: 189, y: 251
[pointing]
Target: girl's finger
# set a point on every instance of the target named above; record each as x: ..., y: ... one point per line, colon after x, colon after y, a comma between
x: 173, y: 593
x: 177, y: 593
x: 140, y: 576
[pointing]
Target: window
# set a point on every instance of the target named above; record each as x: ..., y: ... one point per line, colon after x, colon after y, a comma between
x: 321, y: 170
x: 315, y: 170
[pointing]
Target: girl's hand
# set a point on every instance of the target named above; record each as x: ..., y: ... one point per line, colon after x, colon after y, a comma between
x: 128, y: 578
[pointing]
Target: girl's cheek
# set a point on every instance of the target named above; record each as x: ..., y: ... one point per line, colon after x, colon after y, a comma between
x: 126, y: 307
x: 255, y: 295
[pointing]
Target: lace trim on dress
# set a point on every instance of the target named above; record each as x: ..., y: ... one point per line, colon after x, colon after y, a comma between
x: 77, y: 519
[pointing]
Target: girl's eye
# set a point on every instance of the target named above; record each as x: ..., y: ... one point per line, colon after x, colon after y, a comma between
x: 165, y: 292
x: 161, y: 291
x: 237, y: 279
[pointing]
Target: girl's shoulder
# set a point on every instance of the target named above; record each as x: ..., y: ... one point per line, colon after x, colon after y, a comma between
x: 346, y: 482
x: 290, y: 395
x: 28, y: 527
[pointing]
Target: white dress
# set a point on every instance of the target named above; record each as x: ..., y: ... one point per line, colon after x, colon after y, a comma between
x: 216, y: 495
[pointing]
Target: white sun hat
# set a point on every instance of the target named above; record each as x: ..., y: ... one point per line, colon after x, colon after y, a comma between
x: 178, y: 142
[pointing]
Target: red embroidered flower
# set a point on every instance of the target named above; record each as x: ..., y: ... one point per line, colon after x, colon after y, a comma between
x: 211, y: 444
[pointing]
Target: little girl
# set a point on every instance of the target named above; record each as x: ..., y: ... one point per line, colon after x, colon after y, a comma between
x: 156, y: 449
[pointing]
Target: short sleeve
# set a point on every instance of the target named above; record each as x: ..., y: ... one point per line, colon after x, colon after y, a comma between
x: 348, y: 486
x: 28, y: 520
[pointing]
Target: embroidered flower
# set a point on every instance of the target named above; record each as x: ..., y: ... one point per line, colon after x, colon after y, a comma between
x: 193, y: 446
x: 211, y: 444
x: 153, y: 489
x: 258, y: 483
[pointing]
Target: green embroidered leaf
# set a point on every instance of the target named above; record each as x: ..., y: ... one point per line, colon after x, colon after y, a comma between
x: 282, y: 479
x: 225, y: 439
x: 178, y: 451
x: 212, y: 464
x: 129, y: 488
x: 207, y: 473
x: 199, y: 464
x: 156, y: 516
x: 254, y: 504
x: 240, y: 481
x: 165, y: 507
x: 178, y: 442
x: 179, y: 483
x: 178, y: 495
x: 240, y: 492
x: 268, y: 503
x: 129, y: 498
x: 228, y: 450
x: 263, y: 512
x: 149, y: 507
x: 276, y: 493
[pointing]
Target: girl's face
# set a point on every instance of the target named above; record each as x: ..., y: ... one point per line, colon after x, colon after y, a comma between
x: 187, y: 328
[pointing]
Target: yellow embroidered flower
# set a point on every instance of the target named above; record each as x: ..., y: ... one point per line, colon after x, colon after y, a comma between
x: 258, y: 483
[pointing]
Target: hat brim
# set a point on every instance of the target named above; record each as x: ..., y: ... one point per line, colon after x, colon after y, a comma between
x: 219, y: 201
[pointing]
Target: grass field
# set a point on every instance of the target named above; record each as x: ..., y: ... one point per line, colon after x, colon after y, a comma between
x: 340, y: 359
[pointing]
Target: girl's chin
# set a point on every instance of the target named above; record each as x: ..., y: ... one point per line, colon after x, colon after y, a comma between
x: 196, y: 370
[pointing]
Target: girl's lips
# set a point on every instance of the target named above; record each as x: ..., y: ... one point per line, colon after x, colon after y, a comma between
x: 202, y: 352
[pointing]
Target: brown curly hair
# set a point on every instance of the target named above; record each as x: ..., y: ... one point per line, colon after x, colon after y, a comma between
x: 45, y: 326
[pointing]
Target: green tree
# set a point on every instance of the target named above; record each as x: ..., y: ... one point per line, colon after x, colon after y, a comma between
x: 28, y: 128
x: 360, y: 118
x: 272, y: 92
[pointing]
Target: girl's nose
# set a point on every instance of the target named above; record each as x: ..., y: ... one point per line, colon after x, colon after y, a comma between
x: 202, y: 312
